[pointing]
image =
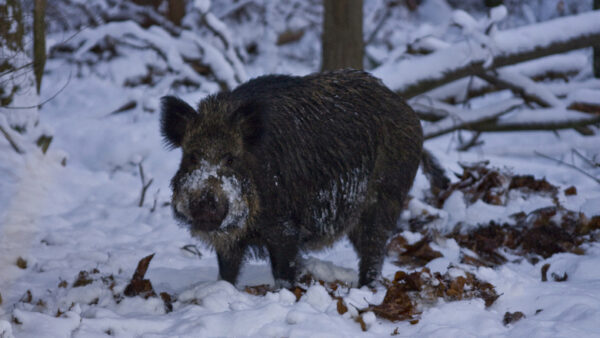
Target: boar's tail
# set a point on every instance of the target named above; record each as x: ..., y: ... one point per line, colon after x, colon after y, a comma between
x: 434, y: 172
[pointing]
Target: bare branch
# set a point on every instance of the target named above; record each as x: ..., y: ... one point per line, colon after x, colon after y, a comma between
x: 474, y: 141
x: 536, y: 124
x: 591, y: 162
x: 155, y: 203
x: 568, y: 165
x: 11, y: 141
x: 470, y: 119
x: 145, y: 185
x: 522, y: 86
x: 48, y: 99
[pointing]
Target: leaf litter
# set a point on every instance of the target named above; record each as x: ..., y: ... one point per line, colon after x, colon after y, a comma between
x: 536, y: 235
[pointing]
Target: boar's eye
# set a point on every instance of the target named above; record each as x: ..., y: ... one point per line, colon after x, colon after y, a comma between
x: 228, y: 159
x: 192, y: 158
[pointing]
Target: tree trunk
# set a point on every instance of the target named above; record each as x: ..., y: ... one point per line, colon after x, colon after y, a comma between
x: 597, y: 48
x: 342, y: 41
x: 39, y: 41
x: 176, y: 11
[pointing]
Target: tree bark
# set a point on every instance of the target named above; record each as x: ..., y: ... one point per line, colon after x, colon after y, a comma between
x: 597, y: 48
x: 342, y: 41
x: 39, y: 41
x: 176, y: 11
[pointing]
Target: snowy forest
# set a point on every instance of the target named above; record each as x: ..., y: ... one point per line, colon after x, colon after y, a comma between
x: 508, y: 97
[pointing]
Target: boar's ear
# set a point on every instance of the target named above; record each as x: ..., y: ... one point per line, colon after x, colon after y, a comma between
x: 174, y: 117
x: 248, y: 119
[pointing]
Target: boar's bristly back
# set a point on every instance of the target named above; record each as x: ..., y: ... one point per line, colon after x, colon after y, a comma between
x: 174, y: 117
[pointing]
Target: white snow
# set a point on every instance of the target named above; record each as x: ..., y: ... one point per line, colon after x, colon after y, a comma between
x: 399, y: 75
x: 84, y: 216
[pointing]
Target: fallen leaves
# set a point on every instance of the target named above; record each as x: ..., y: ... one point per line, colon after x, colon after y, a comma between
x: 83, y: 279
x: 410, y: 292
x: 492, y: 186
x: 138, y: 285
x: 511, y: 317
x: 541, y: 233
x: 570, y: 191
x: 413, y: 255
x: 545, y: 268
x: 478, y: 182
x: 258, y: 290
x: 21, y: 263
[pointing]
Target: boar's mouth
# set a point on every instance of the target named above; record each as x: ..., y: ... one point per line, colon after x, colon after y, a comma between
x: 206, y: 214
x: 206, y: 201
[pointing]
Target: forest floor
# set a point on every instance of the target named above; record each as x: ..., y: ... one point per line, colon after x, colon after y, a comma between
x: 510, y: 249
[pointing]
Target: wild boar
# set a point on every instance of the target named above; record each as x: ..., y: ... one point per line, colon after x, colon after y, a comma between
x: 287, y: 164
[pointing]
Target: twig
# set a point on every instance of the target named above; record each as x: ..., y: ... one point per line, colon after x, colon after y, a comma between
x: 530, y: 126
x: 153, y: 209
x: 145, y: 185
x: 591, y: 163
x: 29, y: 64
x: 50, y: 98
x: 193, y: 249
x: 386, y: 15
x: 11, y: 141
x: 568, y: 165
x: 474, y: 141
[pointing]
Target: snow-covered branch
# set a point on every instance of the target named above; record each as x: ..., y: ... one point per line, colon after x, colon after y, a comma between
x: 219, y: 29
x: 541, y: 119
x: 469, y: 119
x: 418, y: 75
x: 521, y: 85
x: 560, y: 66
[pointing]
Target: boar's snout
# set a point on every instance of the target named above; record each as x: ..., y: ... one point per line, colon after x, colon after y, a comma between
x: 208, y: 211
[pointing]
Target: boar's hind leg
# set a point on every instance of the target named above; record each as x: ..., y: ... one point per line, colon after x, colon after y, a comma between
x: 369, y: 239
x: 230, y: 263
x: 283, y: 257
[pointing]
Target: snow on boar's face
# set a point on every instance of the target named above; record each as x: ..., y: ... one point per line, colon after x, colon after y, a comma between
x: 212, y: 189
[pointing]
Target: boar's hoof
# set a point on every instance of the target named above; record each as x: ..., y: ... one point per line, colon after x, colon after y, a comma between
x: 283, y: 284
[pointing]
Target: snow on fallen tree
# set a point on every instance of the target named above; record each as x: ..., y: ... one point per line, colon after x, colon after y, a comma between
x: 541, y: 119
x: 495, y: 118
x: 470, y: 119
x: 418, y: 75
x: 561, y: 66
x: 522, y: 86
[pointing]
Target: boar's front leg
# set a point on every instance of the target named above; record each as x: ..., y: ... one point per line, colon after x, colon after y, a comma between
x: 230, y: 262
x: 283, y: 255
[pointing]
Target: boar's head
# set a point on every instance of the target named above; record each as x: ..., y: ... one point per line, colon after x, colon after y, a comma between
x: 213, y: 188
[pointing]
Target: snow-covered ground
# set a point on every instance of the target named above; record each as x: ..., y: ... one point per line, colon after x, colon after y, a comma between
x: 84, y: 216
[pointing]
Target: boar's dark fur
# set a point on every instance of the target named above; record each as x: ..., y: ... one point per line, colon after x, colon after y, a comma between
x: 291, y: 163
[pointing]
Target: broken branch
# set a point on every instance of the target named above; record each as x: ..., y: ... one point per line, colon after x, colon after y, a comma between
x: 145, y: 185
